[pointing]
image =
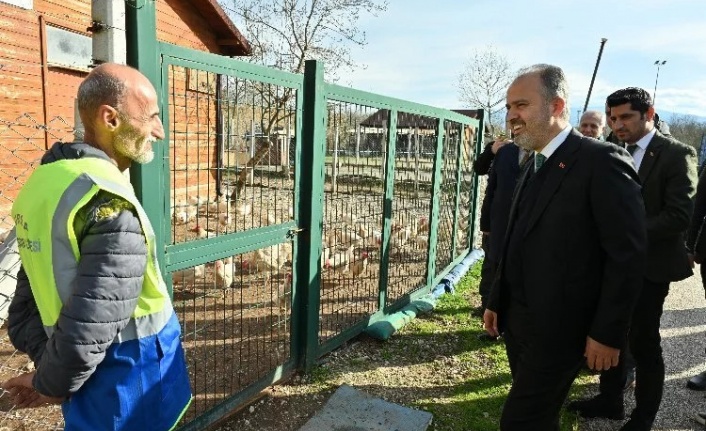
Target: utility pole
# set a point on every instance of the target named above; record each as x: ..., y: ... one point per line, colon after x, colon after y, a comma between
x: 658, y: 63
x: 595, y: 70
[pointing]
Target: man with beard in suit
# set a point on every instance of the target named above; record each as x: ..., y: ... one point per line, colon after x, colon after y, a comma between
x: 573, y: 259
x: 667, y: 170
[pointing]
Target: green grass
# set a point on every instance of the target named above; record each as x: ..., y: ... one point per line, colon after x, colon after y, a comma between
x: 474, y: 403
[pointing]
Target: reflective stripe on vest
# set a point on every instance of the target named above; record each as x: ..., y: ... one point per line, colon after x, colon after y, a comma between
x: 65, y: 186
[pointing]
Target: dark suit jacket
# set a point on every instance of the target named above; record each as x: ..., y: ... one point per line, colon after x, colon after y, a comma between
x: 495, y: 211
x: 584, y: 246
x: 668, y: 176
x: 696, y: 242
x: 481, y: 166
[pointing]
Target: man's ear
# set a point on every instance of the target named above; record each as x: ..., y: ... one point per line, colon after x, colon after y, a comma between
x: 108, y: 117
x: 558, y: 105
x: 650, y: 113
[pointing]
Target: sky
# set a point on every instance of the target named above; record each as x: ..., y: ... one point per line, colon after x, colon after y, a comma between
x: 417, y: 48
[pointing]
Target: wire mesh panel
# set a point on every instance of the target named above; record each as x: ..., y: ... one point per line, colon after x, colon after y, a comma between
x: 235, y: 315
x: 411, y: 205
x: 465, y: 196
x: 231, y: 153
x: 356, y: 150
x: 447, y: 196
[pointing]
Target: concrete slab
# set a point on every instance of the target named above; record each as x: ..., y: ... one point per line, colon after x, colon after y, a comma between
x: 349, y: 409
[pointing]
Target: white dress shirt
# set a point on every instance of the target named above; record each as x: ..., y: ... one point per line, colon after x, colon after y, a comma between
x: 551, y: 147
x: 642, y: 144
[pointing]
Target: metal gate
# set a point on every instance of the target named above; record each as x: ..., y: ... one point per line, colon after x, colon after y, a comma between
x: 230, y: 187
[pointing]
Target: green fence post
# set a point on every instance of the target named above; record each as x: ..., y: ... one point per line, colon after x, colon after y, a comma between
x: 311, y: 188
x: 142, y: 54
x: 435, y: 207
x: 480, y: 134
x: 387, y: 207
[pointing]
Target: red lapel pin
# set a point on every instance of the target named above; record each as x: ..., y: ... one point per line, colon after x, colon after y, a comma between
x: 562, y: 165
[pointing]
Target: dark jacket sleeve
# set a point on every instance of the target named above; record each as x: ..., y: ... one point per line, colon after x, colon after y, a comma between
x: 619, y: 214
x: 678, y: 194
x: 113, y: 257
x: 24, y: 325
x: 481, y: 165
x: 697, y: 218
x: 488, y: 201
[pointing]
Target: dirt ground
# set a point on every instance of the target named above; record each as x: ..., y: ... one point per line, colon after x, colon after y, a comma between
x: 362, y: 364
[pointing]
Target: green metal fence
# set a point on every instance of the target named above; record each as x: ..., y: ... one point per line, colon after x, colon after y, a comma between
x: 293, y: 213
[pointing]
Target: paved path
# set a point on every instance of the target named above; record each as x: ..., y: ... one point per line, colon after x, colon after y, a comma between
x: 683, y: 341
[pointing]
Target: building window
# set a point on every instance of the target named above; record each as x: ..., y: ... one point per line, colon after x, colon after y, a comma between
x: 68, y: 49
x: 25, y: 4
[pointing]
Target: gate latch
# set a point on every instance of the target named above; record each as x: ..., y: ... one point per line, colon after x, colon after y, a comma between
x: 293, y: 232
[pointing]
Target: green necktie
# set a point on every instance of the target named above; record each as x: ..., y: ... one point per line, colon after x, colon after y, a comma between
x: 539, y: 160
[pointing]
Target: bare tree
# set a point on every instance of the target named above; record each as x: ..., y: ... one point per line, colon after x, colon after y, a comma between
x: 688, y: 129
x: 484, y: 80
x: 286, y: 33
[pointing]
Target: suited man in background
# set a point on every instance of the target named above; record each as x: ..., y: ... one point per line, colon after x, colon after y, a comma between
x: 495, y: 212
x: 667, y: 170
x: 572, y: 265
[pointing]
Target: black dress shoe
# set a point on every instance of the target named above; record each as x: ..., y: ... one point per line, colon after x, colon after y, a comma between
x: 698, y: 382
x: 598, y: 407
x: 635, y: 425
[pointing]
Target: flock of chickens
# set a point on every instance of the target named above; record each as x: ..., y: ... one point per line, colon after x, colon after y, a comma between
x: 346, y: 249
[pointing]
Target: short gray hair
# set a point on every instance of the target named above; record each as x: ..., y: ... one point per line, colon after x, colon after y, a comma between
x: 554, y: 83
x: 100, y: 88
x: 599, y: 114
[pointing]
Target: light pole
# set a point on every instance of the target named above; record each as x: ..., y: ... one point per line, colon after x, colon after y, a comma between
x: 658, y: 63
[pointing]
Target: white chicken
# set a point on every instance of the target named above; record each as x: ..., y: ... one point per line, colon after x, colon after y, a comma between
x: 340, y: 261
x: 270, y: 258
x: 203, y: 233
x: 348, y: 236
x: 224, y: 272
x: 399, y: 238
x: 188, y: 275
x: 358, y: 267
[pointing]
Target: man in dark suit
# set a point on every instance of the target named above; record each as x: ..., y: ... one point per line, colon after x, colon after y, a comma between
x: 495, y: 212
x: 667, y: 170
x: 573, y: 259
x: 696, y: 245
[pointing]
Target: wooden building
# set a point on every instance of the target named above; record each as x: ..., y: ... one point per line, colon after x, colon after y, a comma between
x: 45, y: 51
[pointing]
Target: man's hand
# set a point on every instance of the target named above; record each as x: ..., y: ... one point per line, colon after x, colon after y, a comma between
x: 498, y: 144
x: 600, y: 357
x: 490, y: 322
x: 23, y: 393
